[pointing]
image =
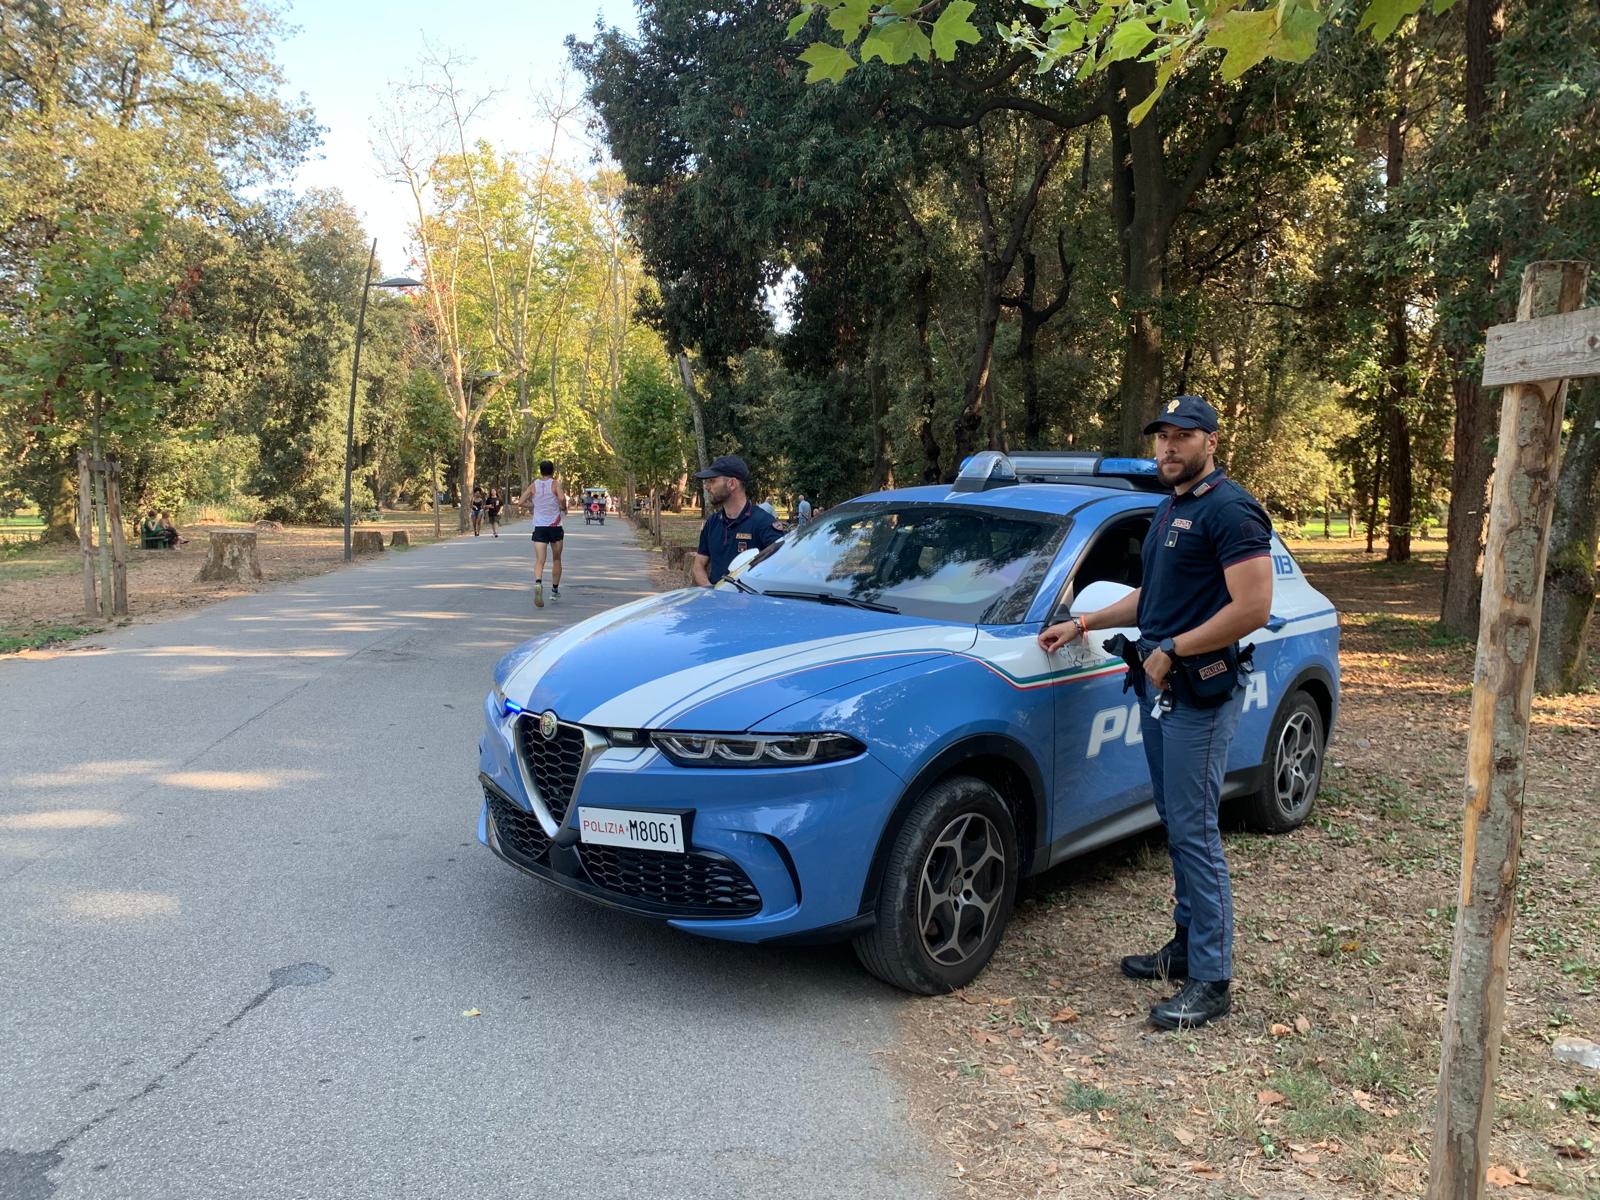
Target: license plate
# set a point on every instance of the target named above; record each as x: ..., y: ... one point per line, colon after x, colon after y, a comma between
x: 635, y: 830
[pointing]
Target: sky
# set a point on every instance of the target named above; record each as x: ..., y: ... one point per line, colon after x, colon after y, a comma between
x: 347, y: 56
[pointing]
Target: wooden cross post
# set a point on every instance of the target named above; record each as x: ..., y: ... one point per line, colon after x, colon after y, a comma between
x: 1532, y: 359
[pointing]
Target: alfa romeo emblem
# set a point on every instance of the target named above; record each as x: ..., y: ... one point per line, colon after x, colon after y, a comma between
x: 547, y: 725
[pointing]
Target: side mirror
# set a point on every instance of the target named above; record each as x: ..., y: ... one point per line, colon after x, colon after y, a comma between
x: 740, y: 561
x: 1102, y: 593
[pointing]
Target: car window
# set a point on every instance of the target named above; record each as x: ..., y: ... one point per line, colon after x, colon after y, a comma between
x: 1113, y: 555
x: 945, y: 561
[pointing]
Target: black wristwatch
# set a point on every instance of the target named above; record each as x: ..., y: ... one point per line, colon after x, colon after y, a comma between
x: 1168, y: 647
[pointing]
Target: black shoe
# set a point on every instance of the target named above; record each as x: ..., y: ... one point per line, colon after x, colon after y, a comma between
x: 1169, y: 962
x: 1199, y: 1002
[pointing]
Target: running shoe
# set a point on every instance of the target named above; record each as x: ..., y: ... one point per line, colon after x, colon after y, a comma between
x: 538, y: 594
x: 555, y: 591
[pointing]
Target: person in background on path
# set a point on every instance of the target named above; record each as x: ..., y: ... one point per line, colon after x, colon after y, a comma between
x: 477, y: 510
x: 735, y: 525
x: 492, y: 505
x: 545, y: 497
x: 171, y: 532
x: 766, y: 507
x: 802, y: 513
x: 1207, y: 582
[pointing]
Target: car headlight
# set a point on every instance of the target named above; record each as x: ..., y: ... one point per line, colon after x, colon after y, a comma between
x: 768, y: 750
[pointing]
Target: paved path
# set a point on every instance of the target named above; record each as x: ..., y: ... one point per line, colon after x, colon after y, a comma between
x: 242, y: 909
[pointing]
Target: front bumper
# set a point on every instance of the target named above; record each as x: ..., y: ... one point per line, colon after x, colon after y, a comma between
x: 776, y: 853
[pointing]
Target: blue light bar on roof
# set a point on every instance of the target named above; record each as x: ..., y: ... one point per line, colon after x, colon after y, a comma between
x: 1078, y: 466
x: 1126, y: 466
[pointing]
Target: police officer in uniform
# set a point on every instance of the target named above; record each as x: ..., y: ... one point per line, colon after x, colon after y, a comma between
x: 1207, y: 582
x: 735, y: 525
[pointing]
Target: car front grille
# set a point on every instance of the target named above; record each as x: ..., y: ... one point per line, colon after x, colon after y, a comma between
x: 698, y: 883
x: 521, y: 836
x: 553, y: 763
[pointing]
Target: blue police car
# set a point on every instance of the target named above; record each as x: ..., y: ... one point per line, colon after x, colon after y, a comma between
x: 856, y: 735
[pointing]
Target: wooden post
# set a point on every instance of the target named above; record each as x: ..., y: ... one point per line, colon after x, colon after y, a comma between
x: 119, y: 544
x: 91, y: 604
x: 1497, y: 740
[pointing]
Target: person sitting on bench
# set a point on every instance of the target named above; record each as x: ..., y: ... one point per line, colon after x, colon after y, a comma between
x: 151, y: 535
x: 171, y: 532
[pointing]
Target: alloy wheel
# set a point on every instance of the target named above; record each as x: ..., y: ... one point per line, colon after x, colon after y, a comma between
x: 1295, y: 765
x: 963, y: 882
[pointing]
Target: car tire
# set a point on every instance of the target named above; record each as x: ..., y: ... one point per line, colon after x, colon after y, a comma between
x: 1292, y: 771
x: 948, y: 890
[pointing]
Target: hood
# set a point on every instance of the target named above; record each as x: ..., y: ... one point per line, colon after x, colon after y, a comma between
x: 716, y: 660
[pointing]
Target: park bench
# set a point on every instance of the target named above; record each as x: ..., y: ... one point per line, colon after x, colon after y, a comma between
x: 152, y: 537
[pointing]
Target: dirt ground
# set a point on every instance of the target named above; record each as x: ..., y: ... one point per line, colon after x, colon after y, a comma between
x: 1045, y: 1079
x: 41, y: 587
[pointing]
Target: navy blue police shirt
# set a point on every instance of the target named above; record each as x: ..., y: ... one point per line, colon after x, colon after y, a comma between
x: 1193, y: 539
x: 722, y: 538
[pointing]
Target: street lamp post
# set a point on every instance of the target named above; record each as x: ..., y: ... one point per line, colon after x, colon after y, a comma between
x: 398, y: 281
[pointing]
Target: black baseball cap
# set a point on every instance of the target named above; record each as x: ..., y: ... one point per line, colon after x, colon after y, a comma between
x: 1186, y: 412
x: 730, y: 466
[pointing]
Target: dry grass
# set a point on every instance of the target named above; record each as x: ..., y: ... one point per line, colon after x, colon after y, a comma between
x: 41, y: 588
x: 1044, y: 1078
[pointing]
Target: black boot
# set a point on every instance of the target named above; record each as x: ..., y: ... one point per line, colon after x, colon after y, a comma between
x: 1169, y: 962
x: 1199, y: 1002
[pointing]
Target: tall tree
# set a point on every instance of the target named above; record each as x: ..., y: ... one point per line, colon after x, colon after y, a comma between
x: 106, y: 105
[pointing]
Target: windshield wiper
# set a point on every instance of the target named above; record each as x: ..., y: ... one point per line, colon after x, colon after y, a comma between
x: 743, y: 586
x: 834, y: 598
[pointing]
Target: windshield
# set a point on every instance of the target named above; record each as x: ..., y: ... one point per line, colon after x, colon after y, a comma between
x: 944, y: 561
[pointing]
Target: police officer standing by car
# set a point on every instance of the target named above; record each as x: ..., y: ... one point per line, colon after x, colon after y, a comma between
x: 1207, y: 582
x: 735, y: 524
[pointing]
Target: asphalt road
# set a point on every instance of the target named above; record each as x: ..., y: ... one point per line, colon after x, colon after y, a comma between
x: 243, y: 910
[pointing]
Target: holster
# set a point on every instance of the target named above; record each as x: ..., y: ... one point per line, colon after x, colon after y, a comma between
x: 1127, y: 650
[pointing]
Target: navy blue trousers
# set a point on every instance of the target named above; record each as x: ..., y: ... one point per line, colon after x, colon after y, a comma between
x: 1187, y: 750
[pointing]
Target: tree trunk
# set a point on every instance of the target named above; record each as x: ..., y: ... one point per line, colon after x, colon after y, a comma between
x: 1497, y: 747
x: 1373, y: 493
x: 1476, y: 411
x: 979, y: 388
x: 686, y: 373
x: 1395, y: 383
x: 1569, y: 581
x: 1469, y: 496
x: 52, y: 494
x: 1399, y: 549
x: 1140, y: 202
x: 1142, y: 342
x: 91, y: 602
x: 469, y: 466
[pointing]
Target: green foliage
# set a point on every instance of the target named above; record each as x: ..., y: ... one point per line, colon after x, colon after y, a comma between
x: 100, y: 337
x: 1087, y: 36
x: 651, y: 419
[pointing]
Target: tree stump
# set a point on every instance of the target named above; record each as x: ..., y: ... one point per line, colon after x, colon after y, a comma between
x: 366, y: 541
x: 399, y: 538
x: 678, y: 558
x: 266, y: 526
x: 231, y: 557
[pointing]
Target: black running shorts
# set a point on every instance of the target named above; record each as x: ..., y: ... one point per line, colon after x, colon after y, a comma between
x: 548, y: 533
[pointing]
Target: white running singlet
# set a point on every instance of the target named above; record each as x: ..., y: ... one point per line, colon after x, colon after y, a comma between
x: 545, y: 509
